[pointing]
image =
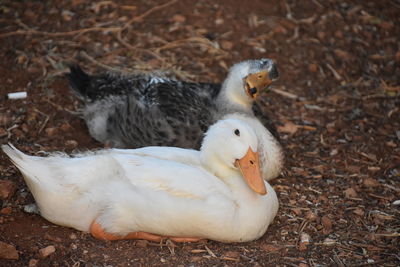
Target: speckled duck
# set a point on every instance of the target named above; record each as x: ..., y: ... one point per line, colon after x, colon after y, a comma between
x: 137, y: 110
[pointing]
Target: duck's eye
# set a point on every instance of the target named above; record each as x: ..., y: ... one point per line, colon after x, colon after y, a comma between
x: 237, y: 132
x: 251, y: 162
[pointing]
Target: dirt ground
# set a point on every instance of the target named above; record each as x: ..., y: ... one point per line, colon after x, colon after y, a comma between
x: 336, y: 106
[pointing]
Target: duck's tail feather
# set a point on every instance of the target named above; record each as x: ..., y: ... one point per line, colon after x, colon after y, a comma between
x: 79, y: 81
x: 19, y: 159
x: 13, y: 153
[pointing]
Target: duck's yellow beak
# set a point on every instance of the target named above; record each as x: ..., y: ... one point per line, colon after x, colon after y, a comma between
x: 249, y: 166
x: 256, y: 82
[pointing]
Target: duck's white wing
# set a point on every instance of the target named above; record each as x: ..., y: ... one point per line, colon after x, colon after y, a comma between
x: 162, y: 175
x: 167, y: 198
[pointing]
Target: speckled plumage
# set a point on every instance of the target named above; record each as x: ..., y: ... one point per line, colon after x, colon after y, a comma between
x: 132, y: 111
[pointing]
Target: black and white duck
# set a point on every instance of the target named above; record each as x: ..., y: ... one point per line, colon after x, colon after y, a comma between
x: 137, y: 110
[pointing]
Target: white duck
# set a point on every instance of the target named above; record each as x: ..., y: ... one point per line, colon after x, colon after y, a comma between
x: 137, y: 110
x: 269, y: 149
x: 116, y: 194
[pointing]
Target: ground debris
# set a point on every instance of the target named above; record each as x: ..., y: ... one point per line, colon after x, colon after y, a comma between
x: 47, y: 251
x: 7, y: 189
x: 8, y: 251
x: 335, y: 106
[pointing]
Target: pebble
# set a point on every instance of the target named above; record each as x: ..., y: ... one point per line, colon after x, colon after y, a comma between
x: 178, y: 18
x: 45, y: 252
x: 52, y: 131
x: 31, y: 208
x: 226, y: 45
x: 71, y: 144
x: 313, y: 67
x: 6, y: 210
x: 7, y: 189
x: 8, y: 252
x: 72, y: 236
x: 33, y: 263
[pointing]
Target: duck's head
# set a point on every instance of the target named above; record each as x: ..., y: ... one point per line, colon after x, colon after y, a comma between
x: 230, y: 145
x: 247, y: 79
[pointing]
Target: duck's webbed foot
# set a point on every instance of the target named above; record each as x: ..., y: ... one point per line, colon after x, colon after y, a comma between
x: 98, y: 232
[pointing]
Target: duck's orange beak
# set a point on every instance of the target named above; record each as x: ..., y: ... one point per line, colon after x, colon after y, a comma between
x: 249, y: 166
x: 257, y: 82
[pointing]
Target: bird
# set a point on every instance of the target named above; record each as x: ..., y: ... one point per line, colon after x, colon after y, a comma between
x: 114, y: 194
x: 137, y: 110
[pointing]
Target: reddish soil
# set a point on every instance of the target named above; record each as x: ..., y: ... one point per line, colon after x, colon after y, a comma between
x: 336, y: 106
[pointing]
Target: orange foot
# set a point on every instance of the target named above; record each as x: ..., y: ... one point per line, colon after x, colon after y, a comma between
x: 98, y: 232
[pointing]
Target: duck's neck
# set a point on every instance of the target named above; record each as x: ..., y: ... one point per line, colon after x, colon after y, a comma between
x: 232, y: 97
x: 230, y: 176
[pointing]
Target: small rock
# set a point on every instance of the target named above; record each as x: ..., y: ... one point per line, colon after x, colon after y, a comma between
x: 71, y: 144
x: 7, y: 189
x: 311, y: 216
x: 178, y: 18
x: 31, y: 208
x: 226, y: 45
x: 370, y: 182
x: 33, y: 263
x: 52, y: 238
x: 8, y: 252
x: 339, y: 34
x: 327, y: 223
x: 51, y: 132
x: 359, y: 212
x: 296, y: 211
x: 313, y: 67
x: 65, y: 127
x: 142, y: 243
x: 196, y: 259
x: 219, y: 21
x: 344, y: 55
x: 73, y: 236
x: 6, y: 210
x: 45, y: 252
x: 350, y: 193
